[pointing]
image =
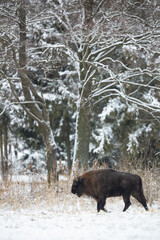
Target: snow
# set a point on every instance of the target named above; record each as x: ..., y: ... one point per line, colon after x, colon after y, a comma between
x: 80, y: 223
x: 112, y: 106
x: 33, y: 211
x: 150, y: 98
x: 133, y: 137
x: 105, y: 134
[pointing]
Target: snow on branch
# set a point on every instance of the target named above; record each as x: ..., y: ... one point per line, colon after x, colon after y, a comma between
x: 18, y: 103
x: 37, y: 117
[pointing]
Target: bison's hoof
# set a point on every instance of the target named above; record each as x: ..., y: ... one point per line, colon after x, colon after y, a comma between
x: 105, y: 210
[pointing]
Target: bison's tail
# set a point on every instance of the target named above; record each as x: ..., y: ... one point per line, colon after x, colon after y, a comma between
x: 140, y: 185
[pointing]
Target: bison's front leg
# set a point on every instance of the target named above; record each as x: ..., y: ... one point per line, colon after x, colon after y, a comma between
x: 100, y: 205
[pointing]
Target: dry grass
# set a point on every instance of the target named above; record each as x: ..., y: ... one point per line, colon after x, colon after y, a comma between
x: 20, y: 194
x: 150, y: 179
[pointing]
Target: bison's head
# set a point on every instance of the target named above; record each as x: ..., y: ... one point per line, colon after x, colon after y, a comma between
x: 77, y: 186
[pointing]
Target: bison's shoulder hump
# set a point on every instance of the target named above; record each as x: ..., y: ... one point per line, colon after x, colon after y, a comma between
x: 99, y: 172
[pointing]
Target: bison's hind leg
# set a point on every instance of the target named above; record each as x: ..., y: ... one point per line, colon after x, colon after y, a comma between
x: 126, y: 199
x: 141, y: 198
x: 100, y: 205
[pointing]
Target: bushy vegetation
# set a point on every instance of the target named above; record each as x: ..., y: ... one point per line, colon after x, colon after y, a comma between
x: 27, y: 191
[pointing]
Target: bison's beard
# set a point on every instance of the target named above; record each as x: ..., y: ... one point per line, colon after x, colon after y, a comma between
x: 79, y: 194
x: 73, y: 191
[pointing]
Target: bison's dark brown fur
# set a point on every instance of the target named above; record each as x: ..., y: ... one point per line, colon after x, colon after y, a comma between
x: 105, y: 183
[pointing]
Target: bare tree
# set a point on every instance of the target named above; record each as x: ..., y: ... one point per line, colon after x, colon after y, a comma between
x: 112, y: 48
x: 31, y: 99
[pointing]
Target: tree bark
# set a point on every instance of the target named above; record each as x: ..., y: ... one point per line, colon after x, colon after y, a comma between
x: 5, y: 162
x: 4, y: 148
x: 66, y: 132
x: 1, y: 146
x: 35, y: 111
x: 22, y: 35
x: 83, y: 137
x: 83, y: 128
x: 50, y: 153
x: 83, y: 122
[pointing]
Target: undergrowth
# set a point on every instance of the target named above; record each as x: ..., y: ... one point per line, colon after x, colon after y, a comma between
x: 32, y: 191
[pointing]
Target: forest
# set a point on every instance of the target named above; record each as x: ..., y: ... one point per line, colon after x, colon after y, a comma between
x: 79, y: 91
x: 79, y: 81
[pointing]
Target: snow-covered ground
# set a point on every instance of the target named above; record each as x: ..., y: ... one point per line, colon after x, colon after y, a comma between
x: 80, y: 222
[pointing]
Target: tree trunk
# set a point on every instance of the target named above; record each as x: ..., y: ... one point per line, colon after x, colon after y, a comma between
x: 66, y: 130
x: 5, y: 162
x: 4, y: 148
x: 50, y: 153
x: 83, y: 128
x: 38, y: 112
x: 82, y: 137
x: 1, y: 146
x: 22, y: 36
x: 51, y: 163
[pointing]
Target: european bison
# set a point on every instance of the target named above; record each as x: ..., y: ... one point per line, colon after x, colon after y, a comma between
x: 105, y: 183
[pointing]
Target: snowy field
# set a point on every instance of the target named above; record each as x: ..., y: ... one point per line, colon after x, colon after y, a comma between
x: 80, y: 222
x: 31, y: 211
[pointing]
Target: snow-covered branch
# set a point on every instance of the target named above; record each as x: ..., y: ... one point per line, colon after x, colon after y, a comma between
x: 19, y: 103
